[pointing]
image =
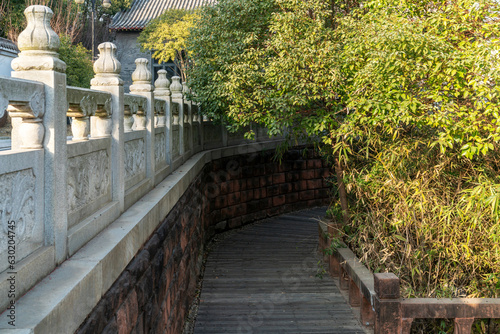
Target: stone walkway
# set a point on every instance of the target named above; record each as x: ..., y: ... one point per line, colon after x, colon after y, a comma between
x: 264, y: 279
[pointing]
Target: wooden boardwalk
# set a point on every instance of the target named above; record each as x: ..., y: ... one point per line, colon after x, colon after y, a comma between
x: 263, y: 279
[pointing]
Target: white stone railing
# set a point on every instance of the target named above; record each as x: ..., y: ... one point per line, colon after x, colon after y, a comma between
x: 57, y: 192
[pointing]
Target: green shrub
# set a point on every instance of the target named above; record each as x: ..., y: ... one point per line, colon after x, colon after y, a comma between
x: 79, y: 68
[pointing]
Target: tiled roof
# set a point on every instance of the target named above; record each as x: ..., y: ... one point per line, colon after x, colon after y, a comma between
x: 142, y: 11
x: 8, y: 45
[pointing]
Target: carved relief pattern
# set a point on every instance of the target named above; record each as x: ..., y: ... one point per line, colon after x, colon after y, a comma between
x: 89, y: 177
x: 108, y: 107
x: 135, y: 162
x: 37, y: 102
x: 17, y: 191
x: 160, y: 107
x: 187, y: 134
x: 134, y: 106
x: 88, y: 105
x: 175, y: 142
x: 160, y: 148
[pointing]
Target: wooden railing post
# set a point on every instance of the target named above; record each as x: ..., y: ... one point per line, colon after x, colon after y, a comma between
x: 387, y: 304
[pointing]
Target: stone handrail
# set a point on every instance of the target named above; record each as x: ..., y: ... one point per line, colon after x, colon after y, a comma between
x: 84, y: 104
x: 378, y: 296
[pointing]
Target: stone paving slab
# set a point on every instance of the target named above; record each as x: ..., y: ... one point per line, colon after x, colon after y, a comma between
x: 263, y: 279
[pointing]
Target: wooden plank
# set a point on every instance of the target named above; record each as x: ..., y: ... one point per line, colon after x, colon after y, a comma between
x: 262, y: 279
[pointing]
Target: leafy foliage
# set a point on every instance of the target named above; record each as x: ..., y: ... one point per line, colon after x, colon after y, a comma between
x: 218, y: 41
x: 78, y: 61
x: 404, y: 93
x: 166, y: 37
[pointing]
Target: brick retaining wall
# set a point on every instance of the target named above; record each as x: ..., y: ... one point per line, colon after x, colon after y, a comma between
x: 155, y: 291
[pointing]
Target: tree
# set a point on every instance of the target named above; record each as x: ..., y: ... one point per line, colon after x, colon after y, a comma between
x: 65, y: 21
x: 166, y: 37
x: 218, y: 40
x: 403, y: 95
x: 79, y: 68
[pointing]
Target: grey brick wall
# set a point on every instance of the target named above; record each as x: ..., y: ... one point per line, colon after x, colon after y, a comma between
x: 128, y: 50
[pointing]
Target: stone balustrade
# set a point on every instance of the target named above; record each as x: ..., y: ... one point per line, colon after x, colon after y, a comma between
x: 62, y: 189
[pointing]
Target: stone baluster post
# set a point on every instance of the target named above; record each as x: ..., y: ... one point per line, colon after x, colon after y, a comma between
x: 141, y: 85
x: 128, y: 120
x: 102, y: 123
x: 80, y: 114
x: 387, y: 308
x: 189, y: 114
x: 177, y: 97
x: 39, y: 61
x: 107, y: 79
x: 140, y: 121
x: 162, y: 91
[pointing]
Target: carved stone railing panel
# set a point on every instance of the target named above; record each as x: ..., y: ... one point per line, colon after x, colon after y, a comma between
x: 212, y: 134
x: 187, y: 135
x: 135, y: 158
x: 160, y: 148
x: 175, y: 141
x: 88, y: 178
x: 21, y: 204
x: 196, y: 134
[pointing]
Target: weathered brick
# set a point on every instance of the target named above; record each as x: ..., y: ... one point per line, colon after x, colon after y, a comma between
x: 119, y: 290
x: 273, y: 211
x: 299, y: 165
x: 271, y: 168
x: 224, y: 187
x: 278, y: 200
x: 273, y: 190
x: 306, y: 195
x: 139, y: 327
x: 285, y: 188
x: 228, y: 212
x: 97, y: 320
x: 234, y: 222
x: 144, y: 287
x: 127, y: 314
x: 314, y: 163
x: 278, y: 178
x: 111, y: 327
x: 307, y: 174
x: 220, y: 202
x: 233, y: 198
x: 314, y: 184
x: 322, y: 193
x: 291, y: 197
x: 234, y: 186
